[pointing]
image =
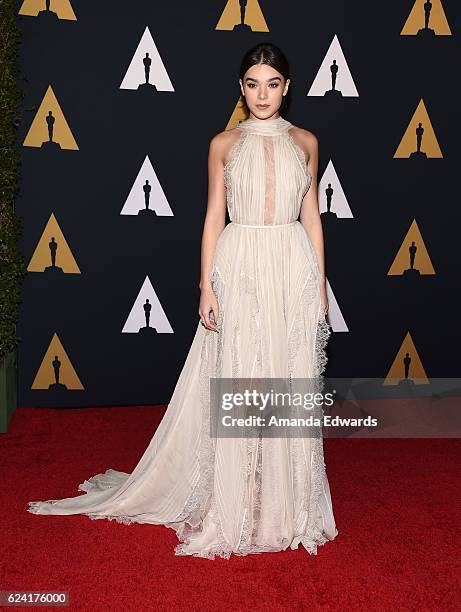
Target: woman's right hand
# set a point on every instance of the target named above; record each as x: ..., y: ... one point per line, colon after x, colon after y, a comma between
x: 208, y: 308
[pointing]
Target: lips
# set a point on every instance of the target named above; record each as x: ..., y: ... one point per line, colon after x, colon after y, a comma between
x: 262, y: 105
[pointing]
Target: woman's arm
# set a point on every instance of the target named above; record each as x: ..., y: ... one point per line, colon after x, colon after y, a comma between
x: 216, y: 210
x: 215, y: 220
x: 310, y: 213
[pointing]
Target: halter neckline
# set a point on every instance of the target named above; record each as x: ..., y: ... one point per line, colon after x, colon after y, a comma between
x: 265, y: 126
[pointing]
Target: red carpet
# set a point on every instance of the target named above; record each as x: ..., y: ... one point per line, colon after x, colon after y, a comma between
x: 396, y: 506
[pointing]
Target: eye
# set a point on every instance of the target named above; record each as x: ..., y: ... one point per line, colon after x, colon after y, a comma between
x: 275, y: 85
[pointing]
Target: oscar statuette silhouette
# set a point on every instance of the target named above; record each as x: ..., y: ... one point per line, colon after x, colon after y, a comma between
x: 147, y: 86
x: 426, y: 32
x: 57, y: 386
x: 147, y: 188
x: 418, y: 154
x: 333, y: 92
x: 50, y: 120
x: 147, y: 329
x: 47, y: 13
x: 53, y: 246
x: 242, y: 25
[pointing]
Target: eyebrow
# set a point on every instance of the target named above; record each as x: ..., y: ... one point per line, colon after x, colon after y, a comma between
x: 271, y: 79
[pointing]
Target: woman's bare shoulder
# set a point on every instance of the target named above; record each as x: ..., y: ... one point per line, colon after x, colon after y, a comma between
x: 304, y: 137
x: 221, y: 143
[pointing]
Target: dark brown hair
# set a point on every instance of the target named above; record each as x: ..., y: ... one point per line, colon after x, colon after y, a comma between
x: 270, y: 54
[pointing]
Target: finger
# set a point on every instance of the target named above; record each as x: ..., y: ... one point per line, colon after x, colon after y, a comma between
x: 209, y: 323
x: 206, y: 320
x: 215, y: 312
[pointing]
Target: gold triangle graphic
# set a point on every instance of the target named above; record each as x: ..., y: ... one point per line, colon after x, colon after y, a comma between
x: 437, y: 20
x: 56, y: 360
x: 38, y: 134
x: 62, y: 8
x: 416, y: 371
x: 231, y: 17
x: 239, y: 114
x: 402, y: 262
x: 52, y: 240
x: 408, y: 144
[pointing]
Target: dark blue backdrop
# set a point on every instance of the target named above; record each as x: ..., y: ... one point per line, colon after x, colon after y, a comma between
x: 85, y: 61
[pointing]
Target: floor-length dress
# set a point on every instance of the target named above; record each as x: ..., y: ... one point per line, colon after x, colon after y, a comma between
x: 238, y: 495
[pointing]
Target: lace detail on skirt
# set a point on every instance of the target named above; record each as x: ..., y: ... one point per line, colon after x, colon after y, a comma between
x: 34, y: 506
x: 321, y: 340
x: 309, y: 483
x: 307, y: 479
x: 101, y: 482
x: 253, y: 496
x: 312, y: 537
x: 248, y: 291
x: 201, y: 502
x: 124, y: 520
x: 298, y: 331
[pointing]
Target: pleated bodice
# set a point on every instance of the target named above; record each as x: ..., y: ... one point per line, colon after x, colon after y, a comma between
x: 266, y: 175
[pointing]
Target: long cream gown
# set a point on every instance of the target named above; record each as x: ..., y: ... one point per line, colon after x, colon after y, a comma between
x: 238, y: 495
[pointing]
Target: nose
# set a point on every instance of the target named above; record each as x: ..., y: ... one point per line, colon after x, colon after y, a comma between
x: 262, y: 94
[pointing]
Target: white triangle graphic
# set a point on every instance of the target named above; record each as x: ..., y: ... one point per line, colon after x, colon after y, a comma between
x: 135, y: 75
x: 136, y: 199
x: 336, y: 319
x: 344, y: 81
x: 136, y: 319
x: 339, y: 204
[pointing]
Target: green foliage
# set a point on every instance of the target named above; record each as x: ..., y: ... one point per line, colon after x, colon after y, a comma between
x: 12, y: 266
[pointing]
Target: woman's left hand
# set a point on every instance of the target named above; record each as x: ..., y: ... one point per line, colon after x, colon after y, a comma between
x: 324, y: 298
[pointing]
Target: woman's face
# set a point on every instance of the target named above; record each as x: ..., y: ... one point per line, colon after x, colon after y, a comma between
x: 263, y: 88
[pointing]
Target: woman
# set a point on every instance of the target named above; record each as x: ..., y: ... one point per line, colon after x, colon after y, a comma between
x: 262, y: 314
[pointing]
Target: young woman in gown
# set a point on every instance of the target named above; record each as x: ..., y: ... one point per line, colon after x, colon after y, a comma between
x: 262, y: 314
